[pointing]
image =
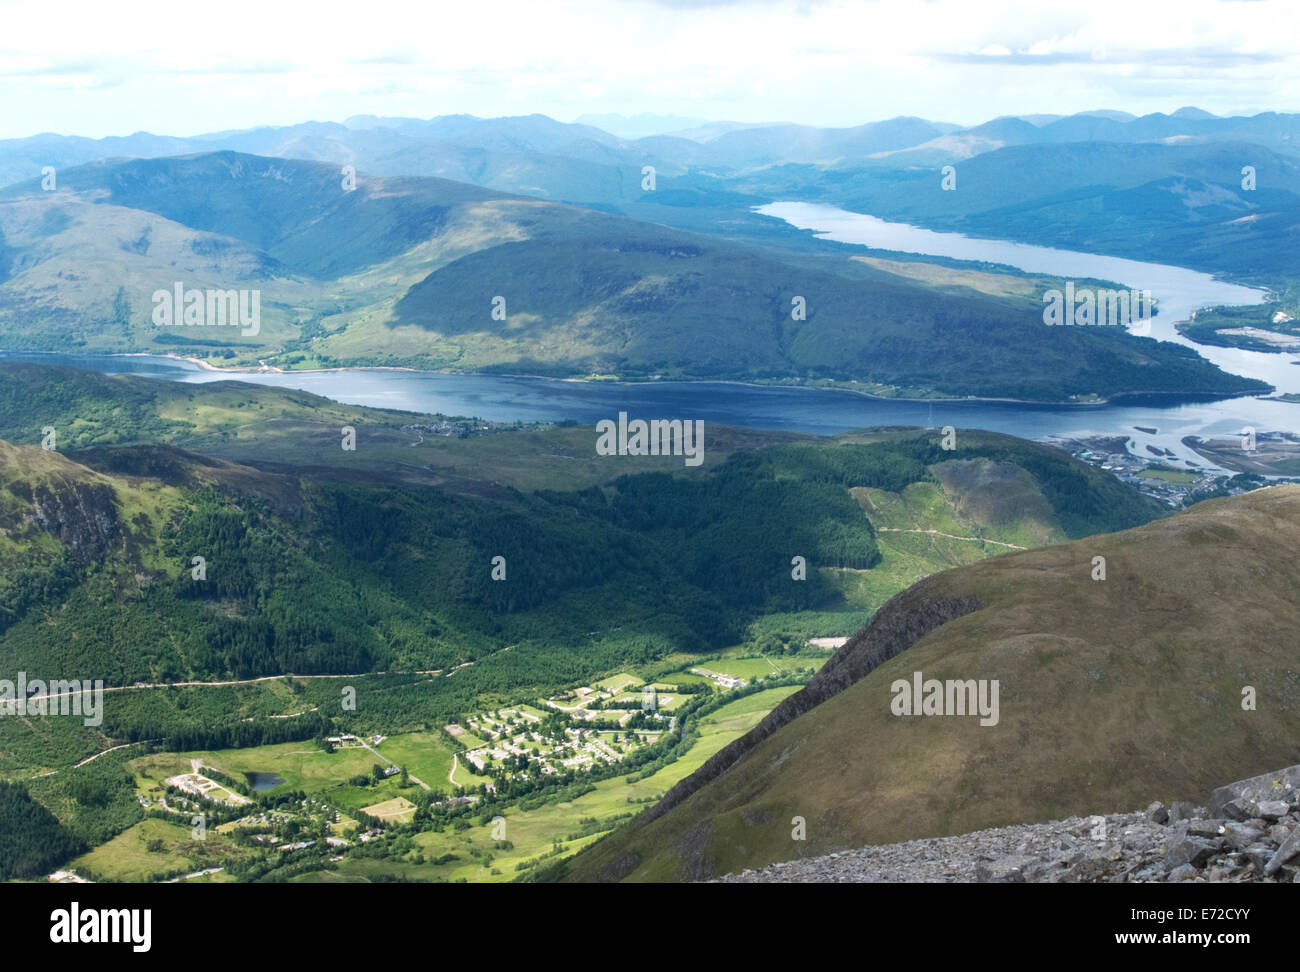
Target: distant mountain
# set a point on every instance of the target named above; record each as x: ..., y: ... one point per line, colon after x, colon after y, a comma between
x: 1184, y: 203
x: 1110, y: 690
x: 585, y: 163
x: 1120, y: 116
x: 443, y: 275
x: 1039, y: 119
x: 711, y: 130
x: 646, y: 123
x: 750, y: 147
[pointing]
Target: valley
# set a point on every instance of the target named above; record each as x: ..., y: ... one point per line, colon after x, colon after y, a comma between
x: 506, y: 500
x: 452, y: 685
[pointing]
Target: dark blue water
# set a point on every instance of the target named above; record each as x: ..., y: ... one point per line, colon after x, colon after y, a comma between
x: 1178, y: 290
x: 263, y: 781
x: 820, y: 412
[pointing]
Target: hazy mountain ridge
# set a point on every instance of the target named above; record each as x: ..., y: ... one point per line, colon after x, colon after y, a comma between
x: 733, y: 144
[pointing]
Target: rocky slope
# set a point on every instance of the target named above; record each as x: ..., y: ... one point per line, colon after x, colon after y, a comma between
x: 1249, y: 832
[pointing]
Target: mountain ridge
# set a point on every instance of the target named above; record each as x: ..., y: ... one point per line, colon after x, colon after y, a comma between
x: 1161, y: 698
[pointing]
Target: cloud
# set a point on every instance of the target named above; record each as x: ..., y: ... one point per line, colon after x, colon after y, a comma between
x: 92, y: 71
x: 1182, y: 58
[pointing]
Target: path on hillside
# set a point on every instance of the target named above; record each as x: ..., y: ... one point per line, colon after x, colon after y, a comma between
x: 936, y: 533
x: 236, y: 681
x: 114, y: 749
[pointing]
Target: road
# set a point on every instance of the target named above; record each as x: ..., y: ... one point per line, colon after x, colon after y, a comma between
x: 237, y: 681
x: 113, y: 750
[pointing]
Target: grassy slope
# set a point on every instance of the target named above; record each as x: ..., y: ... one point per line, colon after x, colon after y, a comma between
x: 1112, y: 692
x: 123, y: 610
x: 404, y: 271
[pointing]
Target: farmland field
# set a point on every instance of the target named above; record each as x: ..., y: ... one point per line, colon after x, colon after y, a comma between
x: 424, y: 754
x: 534, y: 833
x: 396, y: 810
x: 127, y: 857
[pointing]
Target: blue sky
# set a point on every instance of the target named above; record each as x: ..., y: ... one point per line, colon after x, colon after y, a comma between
x: 98, y: 69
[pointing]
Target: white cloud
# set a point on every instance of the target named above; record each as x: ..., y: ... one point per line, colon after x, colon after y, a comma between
x: 95, y: 69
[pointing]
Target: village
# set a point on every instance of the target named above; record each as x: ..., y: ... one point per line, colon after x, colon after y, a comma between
x: 577, y: 728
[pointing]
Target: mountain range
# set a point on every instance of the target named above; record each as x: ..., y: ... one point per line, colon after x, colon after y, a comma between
x: 440, y: 275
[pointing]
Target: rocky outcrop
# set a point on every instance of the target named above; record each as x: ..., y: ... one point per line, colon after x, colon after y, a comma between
x: 83, y: 515
x: 1250, y: 832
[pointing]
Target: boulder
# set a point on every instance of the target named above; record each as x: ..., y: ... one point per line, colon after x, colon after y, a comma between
x: 1181, y: 810
x: 1240, y: 809
x: 1274, y: 809
x: 1289, y: 849
x: 1182, y: 849
x: 1278, y: 785
x: 1005, y: 870
x: 1239, y: 836
x: 1205, y: 828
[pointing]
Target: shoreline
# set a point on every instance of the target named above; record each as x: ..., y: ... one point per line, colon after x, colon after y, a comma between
x: 1176, y: 398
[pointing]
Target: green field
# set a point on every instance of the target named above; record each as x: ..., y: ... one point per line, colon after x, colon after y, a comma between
x: 301, y: 765
x: 750, y: 668
x: 470, y: 741
x: 1176, y: 477
x: 396, y: 810
x: 425, y: 755
x: 618, y: 683
x: 535, y: 832
x: 127, y: 856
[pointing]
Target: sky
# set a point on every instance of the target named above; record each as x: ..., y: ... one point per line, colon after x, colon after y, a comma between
x: 96, y: 69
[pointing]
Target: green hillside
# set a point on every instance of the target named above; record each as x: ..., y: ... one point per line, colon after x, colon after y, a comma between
x: 439, y: 275
x: 1182, y: 204
x: 327, y: 567
x: 1111, y: 691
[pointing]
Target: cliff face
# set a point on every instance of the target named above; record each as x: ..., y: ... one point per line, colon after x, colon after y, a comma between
x: 48, y: 492
x: 1173, y: 671
x: 82, y: 515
